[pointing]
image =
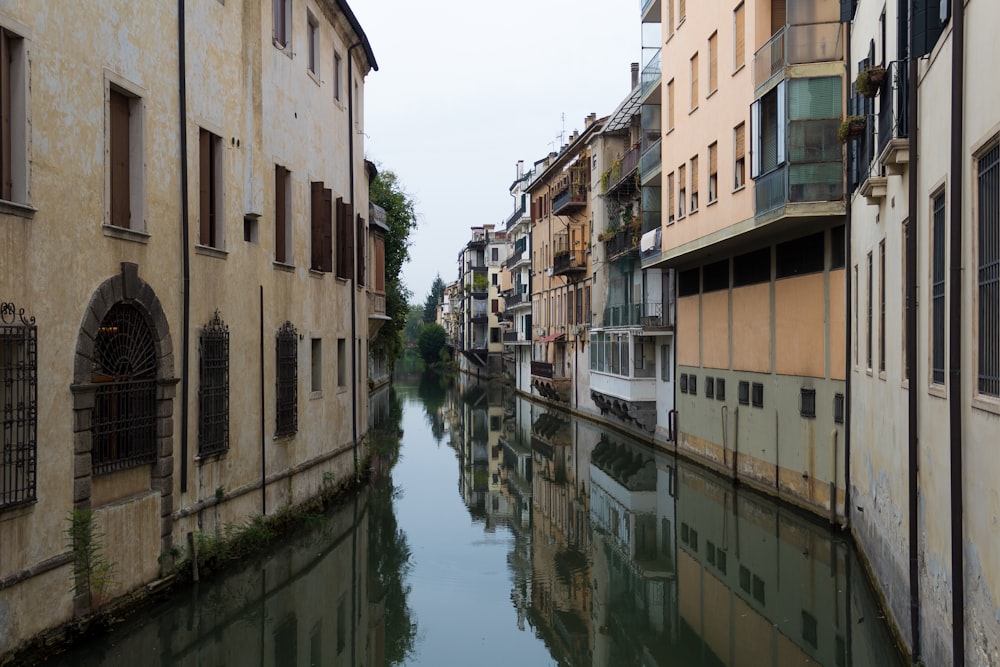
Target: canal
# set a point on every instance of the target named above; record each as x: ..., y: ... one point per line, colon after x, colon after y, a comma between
x: 509, y: 533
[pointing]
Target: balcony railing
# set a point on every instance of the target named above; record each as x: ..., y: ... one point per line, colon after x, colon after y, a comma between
x: 623, y: 242
x: 571, y: 195
x: 569, y: 261
x: 649, y: 164
x: 798, y: 183
x: 651, y: 73
x: 516, y: 298
x: 510, y: 336
x: 541, y: 369
x: 893, y: 105
x: 798, y: 45
x: 515, y: 258
x: 376, y: 303
x: 649, y: 315
x: 514, y: 217
x: 622, y: 172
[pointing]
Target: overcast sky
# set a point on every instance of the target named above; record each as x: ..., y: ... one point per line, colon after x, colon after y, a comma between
x: 467, y: 88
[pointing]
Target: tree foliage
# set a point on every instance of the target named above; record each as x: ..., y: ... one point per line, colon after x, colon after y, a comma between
x: 433, y: 299
x: 386, y: 191
x: 431, y: 342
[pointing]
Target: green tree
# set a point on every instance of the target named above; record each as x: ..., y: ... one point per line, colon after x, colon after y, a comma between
x: 431, y: 343
x: 414, y: 323
x: 433, y: 299
x: 386, y: 191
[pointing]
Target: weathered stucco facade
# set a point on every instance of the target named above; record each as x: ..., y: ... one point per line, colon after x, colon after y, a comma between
x: 184, y: 229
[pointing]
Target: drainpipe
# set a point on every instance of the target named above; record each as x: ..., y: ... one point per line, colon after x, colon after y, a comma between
x: 849, y: 320
x: 354, y: 281
x: 955, y: 332
x: 185, y: 250
x: 911, y: 343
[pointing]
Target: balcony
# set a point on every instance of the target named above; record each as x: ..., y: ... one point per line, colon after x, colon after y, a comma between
x: 542, y: 369
x: 650, y: 11
x: 571, y: 190
x: 547, y: 383
x: 650, y: 316
x: 651, y: 75
x: 620, y: 178
x: 376, y: 303
x: 798, y: 44
x: 517, y: 299
x: 893, y: 115
x: 568, y: 262
x: 799, y: 184
x: 621, y: 243
x: 514, y: 218
x: 649, y: 164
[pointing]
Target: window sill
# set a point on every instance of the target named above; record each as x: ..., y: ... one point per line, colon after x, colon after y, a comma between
x: 693, y: 109
x: 210, y: 458
x: 316, y: 273
x: 281, y: 266
x: 712, y: 201
x: 283, y: 436
x: 284, y: 48
x: 742, y: 187
x: 739, y: 69
x: 343, y: 281
x: 123, y: 234
x: 881, y: 375
x: 937, y: 390
x: 669, y: 131
x: 17, y: 511
x: 315, y: 394
x: 711, y: 93
x: 342, y: 389
x: 209, y: 251
x: 20, y: 210
x: 314, y: 76
x: 985, y: 403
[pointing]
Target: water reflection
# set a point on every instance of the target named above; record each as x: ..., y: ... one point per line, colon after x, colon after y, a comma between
x: 504, y: 532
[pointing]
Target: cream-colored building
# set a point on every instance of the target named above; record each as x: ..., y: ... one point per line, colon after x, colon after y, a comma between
x: 185, y: 281
x: 923, y: 462
x: 561, y: 282
x: 753, y: 221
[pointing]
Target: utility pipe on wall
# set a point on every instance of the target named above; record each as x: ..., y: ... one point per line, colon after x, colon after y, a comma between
x: 185, y: 250
x: 354, y: 280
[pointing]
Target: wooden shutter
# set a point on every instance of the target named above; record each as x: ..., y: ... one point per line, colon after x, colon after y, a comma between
x: 694, y: 81
x: 713, y: 166
x: 339, y: 233
x: 713, y: 62
x: 362, y: 246
x: 279, y: 213
x: 345, y: 239
x: 6, y: 182
x: 495, y: 305
x: 350, y: 240
x: 204, y: 187
x: 681, y: 10
x: 741, y: 45
x: 379, y: 264
x: 326, y: 231
x: 670, y: 197
x: 670, y: 104
x: 316, y: 225
x: 777, y: 16
x: 740, y: 141
x: 119, y: 151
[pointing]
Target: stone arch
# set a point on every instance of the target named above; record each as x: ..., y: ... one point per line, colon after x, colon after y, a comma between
x: 129, y: 289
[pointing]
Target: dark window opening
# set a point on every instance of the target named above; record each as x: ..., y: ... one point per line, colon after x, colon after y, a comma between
x: 286, y: 417
x: 988, y: 228
x: 18, y: 407
x: 838, y: 247
x: 743, y: 392
x: 709, y: 387
x: 799, y: 256
x: 684, y: 383
x: 213, y: 387
x: 715, y: 276
x: 720, y: 389
x: 757, y: 397
x: 838, y: 408
x: 937, y: 290
x: 752, y: 268
x: 693, y: 384
x: 807, y: 402
x: 688, y: 282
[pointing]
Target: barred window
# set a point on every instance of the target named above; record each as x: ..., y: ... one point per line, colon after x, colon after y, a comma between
x: 124, y: 368
x: 18, y: 406
x: 213, y: 387
x: 988, y: 227
x: 286, y: 419
x: 937, y: 289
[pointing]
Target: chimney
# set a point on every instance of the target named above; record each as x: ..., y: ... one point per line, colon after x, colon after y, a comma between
x: 635, y: 75
x: 589, y: 120
x: 520, y: 168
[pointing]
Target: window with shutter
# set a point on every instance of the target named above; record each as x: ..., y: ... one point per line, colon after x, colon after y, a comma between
x: 13, y: 158
x: 739, y: 39
x: 713, y: 62
x: 316, y: 225
x: 210, y: 219
x: 282, y: 232
x: 670, y: 198
x: 694, y: 184
x: 362, y: 249
x: 681, y: 190
x: 694, y: 81
x: 119, y: 157
x: 670, y: 104
x: 713, y: 172
x: 739, y: 162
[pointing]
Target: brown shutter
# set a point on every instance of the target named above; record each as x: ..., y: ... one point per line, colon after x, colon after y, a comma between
x: 713, y: 62
x: 119, y: 151
x: 740, y: 139
x: 279, y: 213
x: 681, y: 9
x: 740, y: 37
x: 349, y: 241
x: 670, y: 196
x: 379, y: 264
x: 495, y: 305
x: 694, y: 174
x: 315, y: 225
x: 6, y: 182
x: 327, y: 231
x: 670, y: 104
x: 777, y: 16
x: 712, y: 160
x: 204, y: 187
x: 694, y: 81
x: 339, y: 234
x: 362, y: 246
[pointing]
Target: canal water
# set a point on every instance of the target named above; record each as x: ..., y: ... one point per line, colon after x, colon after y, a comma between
x: 508, y: 533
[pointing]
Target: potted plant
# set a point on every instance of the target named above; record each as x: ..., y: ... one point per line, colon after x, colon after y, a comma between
x: 870, y: 80
x: 852, y: 128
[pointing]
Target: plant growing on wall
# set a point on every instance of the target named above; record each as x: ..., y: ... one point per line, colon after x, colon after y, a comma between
x: 480, y: 283
x: 92, y: 571
x: 852, y: 128
x: 869, y: 81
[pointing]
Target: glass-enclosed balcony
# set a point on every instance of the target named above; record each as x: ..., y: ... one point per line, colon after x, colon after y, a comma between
x: 651, y: 162
x: 651, y: 74
x: 649, y: 315
x: 651, y: 11
x: 813, y: 34
x: 623, y: 365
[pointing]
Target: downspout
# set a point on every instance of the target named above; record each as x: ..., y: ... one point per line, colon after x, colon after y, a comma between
x: 849, y: 320
x: 263, y: 439
x: 354, y: 280
x: 185, y: 250
x: 911, y: 342
x: 955, y: 335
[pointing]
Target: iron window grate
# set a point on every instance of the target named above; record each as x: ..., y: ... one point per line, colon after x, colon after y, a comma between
x: 709, y: 388
x: 684, y: 383
x: 757, y: 397
x: 838, y: 408
x: 286, y: 414
x: 213, y: 388
x: 124, y: 417
x: 743, y: 392
x: 18, y: 406
x: 693, y: 384
x: 807, y: 402
x: 988, y: 212
x: 720, y: 389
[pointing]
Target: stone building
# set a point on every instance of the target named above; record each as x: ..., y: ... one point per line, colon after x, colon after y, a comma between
x: 185, y: 281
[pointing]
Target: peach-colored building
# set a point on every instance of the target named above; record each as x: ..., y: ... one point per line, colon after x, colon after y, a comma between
x: 751, y: 175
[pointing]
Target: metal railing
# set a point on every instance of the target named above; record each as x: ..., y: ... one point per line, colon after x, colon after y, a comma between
x: 893, y: 105
x: 621, y: 170
x: 770, y: 191
x: 651, y: 73
x: 797, y: 45
x: 623, y: 242
x: 651, y: 159
x: 649, y: 315
x: 541, y: 369
x: 569, y: 260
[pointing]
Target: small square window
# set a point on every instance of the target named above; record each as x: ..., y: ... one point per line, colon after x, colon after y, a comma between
x: 720, y: 560
x: 684, y: 383
x: 250, y: 229
x: 743, y: 392
x: 809, y: 628
x: 745, y: 579
x: 709, y: 387
x: 758, y: 395
x: 758, y: 589
x: 684, y: 533
x: 720, y: 389
x: 710, y: 552
x: 693, y: 384
x: 807, y: 402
